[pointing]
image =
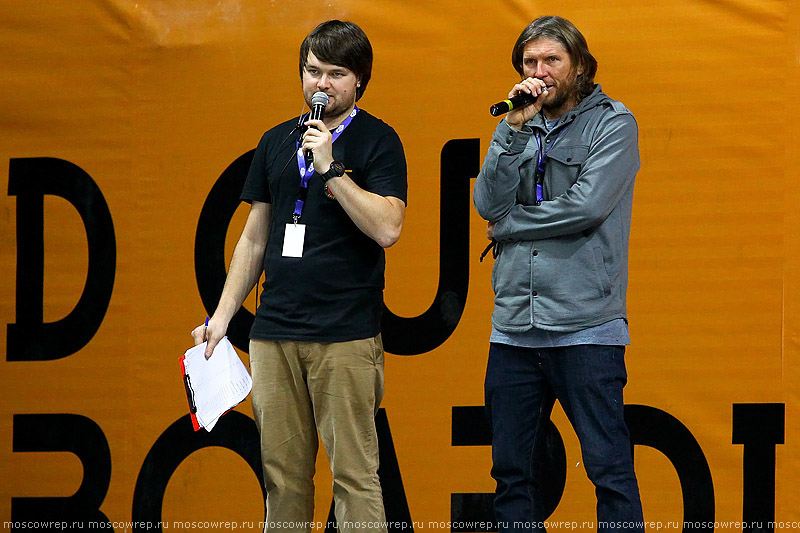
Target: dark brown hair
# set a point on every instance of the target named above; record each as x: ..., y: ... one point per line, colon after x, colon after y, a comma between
x: 343, y: 44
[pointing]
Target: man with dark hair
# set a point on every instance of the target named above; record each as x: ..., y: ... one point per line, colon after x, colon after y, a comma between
x: 557, y: 189
x: 327, y: 196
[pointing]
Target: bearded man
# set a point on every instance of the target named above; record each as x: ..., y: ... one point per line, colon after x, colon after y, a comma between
x: 557, y: 188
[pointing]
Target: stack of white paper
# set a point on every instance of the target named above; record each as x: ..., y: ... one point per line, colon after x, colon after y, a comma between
x: 218, y: 383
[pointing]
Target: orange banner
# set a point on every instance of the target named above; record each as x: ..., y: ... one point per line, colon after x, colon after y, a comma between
x: 126, y: 128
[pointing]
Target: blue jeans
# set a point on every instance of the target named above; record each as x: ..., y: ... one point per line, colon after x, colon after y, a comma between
x: 521, y: 387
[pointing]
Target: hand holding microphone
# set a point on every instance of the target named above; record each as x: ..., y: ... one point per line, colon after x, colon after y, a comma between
x: 515, y: 102
x: 319, y: 101
x: 522, y: 102
x: 317, y: 140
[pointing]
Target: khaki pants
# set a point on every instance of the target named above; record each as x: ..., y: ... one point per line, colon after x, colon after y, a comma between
x: 300, y: 388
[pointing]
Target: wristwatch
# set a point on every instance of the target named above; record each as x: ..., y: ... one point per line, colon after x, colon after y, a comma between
x: 335, y: 171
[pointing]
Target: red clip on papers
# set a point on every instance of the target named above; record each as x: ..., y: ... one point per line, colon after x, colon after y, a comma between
x: 215, y: 385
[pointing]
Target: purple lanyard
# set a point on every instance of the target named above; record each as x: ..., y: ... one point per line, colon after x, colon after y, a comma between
x: 307, y: 171
x: 542, y: 163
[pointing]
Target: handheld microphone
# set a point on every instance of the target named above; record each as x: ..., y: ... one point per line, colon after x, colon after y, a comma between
x: 318, y: 102
x: 515, y: 102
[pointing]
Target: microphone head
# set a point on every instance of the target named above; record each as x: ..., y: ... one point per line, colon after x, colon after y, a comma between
x: 319, y: 98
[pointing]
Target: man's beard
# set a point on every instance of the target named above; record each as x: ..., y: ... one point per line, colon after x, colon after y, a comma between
x: 565, y: 93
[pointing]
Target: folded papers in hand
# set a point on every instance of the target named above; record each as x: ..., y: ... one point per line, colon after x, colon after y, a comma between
x: 215, y: 385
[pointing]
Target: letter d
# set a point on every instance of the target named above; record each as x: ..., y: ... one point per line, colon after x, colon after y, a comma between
x: 30, y: 339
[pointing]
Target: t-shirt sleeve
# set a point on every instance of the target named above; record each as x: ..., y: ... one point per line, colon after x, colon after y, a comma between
x: 256, y: 186
x: 387, y: 174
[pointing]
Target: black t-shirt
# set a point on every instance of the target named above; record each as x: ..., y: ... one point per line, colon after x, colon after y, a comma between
x: 334, y: 292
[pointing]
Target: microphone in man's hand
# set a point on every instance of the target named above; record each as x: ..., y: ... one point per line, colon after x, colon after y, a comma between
x: 319, y: 100
x: 515, y: 102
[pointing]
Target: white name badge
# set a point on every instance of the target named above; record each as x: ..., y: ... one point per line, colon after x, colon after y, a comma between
x: 293, y: 240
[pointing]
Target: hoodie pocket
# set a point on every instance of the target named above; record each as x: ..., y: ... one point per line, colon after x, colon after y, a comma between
x: 602, y: 274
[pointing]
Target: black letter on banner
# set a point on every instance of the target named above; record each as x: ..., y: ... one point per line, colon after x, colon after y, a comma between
x: 209, y: 246
x: 658, y: 429
x: 471, y: 428
x: 65, y: 433
x: 30, y: 339
x: 760, y: 427
x: 398, y: 516
x: 460, y: 162
x: 237, y: 432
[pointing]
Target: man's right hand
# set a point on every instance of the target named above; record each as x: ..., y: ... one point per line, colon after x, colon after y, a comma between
x: 212, y: 333
x: 516, y: 118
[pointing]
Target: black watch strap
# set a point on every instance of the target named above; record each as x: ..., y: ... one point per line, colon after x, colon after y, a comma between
x: 336, y: 170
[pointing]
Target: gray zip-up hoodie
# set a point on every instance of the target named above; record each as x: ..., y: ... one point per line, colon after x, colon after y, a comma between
x: 561, y: 265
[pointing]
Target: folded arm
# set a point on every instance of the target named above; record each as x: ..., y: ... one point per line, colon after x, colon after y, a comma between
x: 606, y: 175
